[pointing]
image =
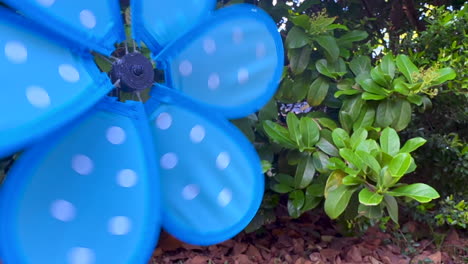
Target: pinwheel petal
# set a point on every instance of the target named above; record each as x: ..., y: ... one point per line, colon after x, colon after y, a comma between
x: 232, y: 62
x: 87, y: 24
x: 43, y: 84
x: 88, y: 194
x: 158, y: 22
x: 211, y: 175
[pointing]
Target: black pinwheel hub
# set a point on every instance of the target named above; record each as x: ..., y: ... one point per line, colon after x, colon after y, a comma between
x: 133, y: 71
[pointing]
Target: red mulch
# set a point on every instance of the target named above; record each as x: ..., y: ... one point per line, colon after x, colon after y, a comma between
x: 314, y: 240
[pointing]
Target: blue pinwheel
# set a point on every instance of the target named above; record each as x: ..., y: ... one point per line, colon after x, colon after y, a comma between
x: 99, y: 177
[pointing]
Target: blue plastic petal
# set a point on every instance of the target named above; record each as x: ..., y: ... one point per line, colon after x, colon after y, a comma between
x: 211, y: 178
x: 89, y: 194
x: 43, y: 85
x: 88, y: 24
x: 158, y: 22
x: 232, y: 61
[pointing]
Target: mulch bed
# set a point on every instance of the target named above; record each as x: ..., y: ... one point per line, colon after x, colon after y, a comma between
x: 314, y: 239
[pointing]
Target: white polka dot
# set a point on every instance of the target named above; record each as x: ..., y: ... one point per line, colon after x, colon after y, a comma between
x: 119, y: 225
x: 223, y: 160
x: 237, y: 35
x: 213, y: 81
x: 209, y: 45
x: 87, y: 18
x: 169, y: 161
x: 63, y: 210
x: 82, y: 164
x: 127, y: 178
x: 38, y: 97
x: 80, y: 255
x: 16, y: 52
x: 243, y: 76
x: 224, y: 197
x: 190, y: 192
x: 197, y: 134
x: 164, y: 121
x: 69, y: 73
x: 185, y: 68
x: 260, y: 50
x: 115, y: 135
x: 46, y: 3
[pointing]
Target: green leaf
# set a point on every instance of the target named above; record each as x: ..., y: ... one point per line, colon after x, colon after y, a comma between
x: 310, y: 132
x: 353, y: 106
x: 336, y: 164
x: 281, y: 188
x: 346, y: 92
x: 294, y: 130
x: 338, y: 200
x: 327, y: 123
x: 340, y: 137
x: 371, y: 212
x: 420, y: 192
x: 369, y: 198
x: 369, y: 160
x: 413, y: 144
x: 401, y: 111
x: 328, y: 43
x: 302, y: 21
x: 269, y: 111
x: 305, y: 172
x: 392, y: 207
x: 320, y: 161
x: 389, y: 141
x: 370, y: 96
x: 388, y: 66
x: 346, y: 121
x: 351, y: 180
x: 352, y: 158
x: 285, y: 179
x: 353, y: 36
x: 334, y: 180
x: 345, y: 84
x: 295, y: 202
x: 400, y: 164
x: 384, y: 115
x: 358, y: 136
x: 279, y: 134
x: 266, y: 166
x: 326, y: 146
x: 299, y: 59
x: 296, y: 38
x: 318, y: 91
x: 444, y: 74
x: 415, y: 99
x: 379, y: 77
x: 360, y: 64
x: 369, y: 146
x: 406, y: 67
x: 366, y: 118
x: 370, y: 85
x: 324, y: 68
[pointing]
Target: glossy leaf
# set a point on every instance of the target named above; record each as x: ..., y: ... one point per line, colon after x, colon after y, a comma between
x: 295, y: 202
x: 296, y: 38
x: 413, y: 144
x: 318, y: 91
x: 299, y: 59
x: 444, y: 74
x: 384, y: 114
x: 360, y: 64
x: 328, y: 43
x: 326, y: 146
x: 279, y: 134
x: 305, y: 172
x: 310, y: 132
x: 390, y: 141
x: 406, y: 67
x: 388, y: 65
x: 420, y: 192
x: 392, y: 207
x: 369, y: 160
x: 400, y: 164
x: 369, y: 198
x: 357, y: 137
x: 294, y: 128
x: 340, y: 137
x: 352, y: 158
x: 338, y: 200
x: 401, y: 112
x: 320, y: 161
